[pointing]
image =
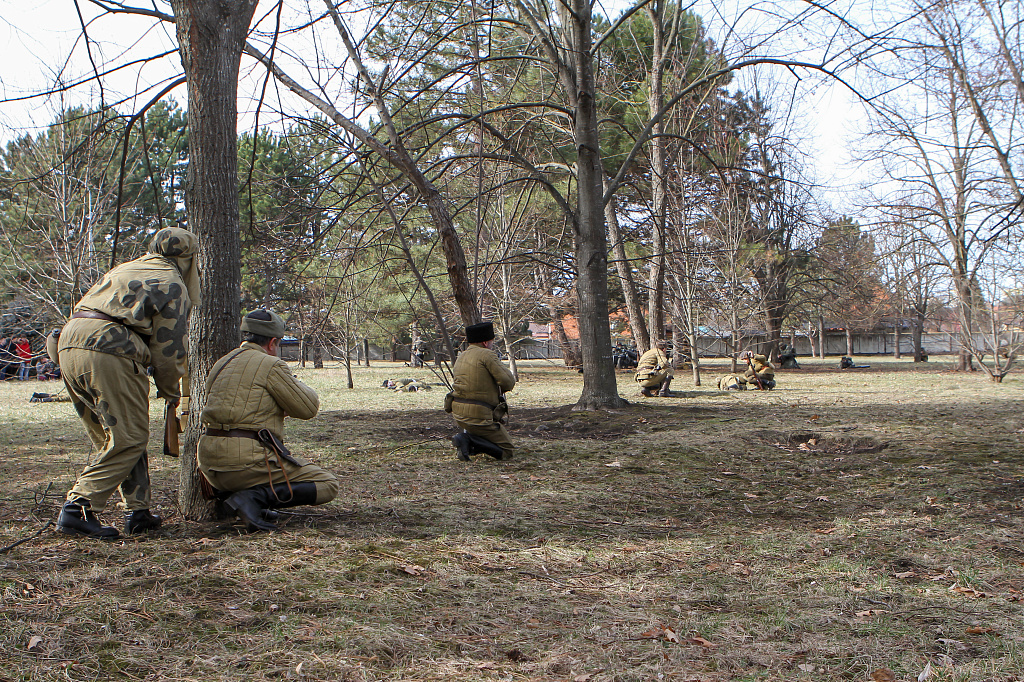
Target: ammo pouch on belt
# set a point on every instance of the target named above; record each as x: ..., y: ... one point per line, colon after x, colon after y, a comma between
x: 500, y: 413
x: 272, y: 443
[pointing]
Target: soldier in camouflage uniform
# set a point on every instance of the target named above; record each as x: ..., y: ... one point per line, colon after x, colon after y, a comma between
x: 477, y: 400
x: 654, y: 371
x: 249, y: 393
x: 135, y: 317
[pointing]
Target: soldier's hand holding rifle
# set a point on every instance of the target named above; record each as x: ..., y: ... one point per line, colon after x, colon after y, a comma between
x: 747, y: 355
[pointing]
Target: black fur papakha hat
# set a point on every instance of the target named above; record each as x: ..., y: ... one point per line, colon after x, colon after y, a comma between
x: 480, y: 332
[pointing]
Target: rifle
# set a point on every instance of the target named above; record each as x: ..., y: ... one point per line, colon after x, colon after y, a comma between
x: 757, y: 379
x: 172, y: 427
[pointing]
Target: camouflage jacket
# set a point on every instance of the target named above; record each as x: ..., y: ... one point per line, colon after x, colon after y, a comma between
x: 250, y: 390
x: 147, y: 295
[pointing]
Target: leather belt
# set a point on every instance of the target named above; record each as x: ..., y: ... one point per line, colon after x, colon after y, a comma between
x: 233, y: 433
x: 95, y: 315
x: 469, y: 401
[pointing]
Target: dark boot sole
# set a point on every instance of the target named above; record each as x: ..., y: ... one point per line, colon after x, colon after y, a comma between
x: 67, y: 530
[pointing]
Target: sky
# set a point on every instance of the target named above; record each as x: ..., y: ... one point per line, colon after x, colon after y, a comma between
x: 39, y: 35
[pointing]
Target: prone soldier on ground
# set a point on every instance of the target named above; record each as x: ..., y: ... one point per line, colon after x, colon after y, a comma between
x: 477, y: 400
x: 135, y: 317
x: 242, y: 453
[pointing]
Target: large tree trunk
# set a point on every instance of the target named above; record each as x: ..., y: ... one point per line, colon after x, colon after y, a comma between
x: 211, y: 35
x: 849, y: 341
x: 600, y: 389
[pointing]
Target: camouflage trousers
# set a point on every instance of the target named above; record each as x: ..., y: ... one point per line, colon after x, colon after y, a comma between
x: 111, y: 395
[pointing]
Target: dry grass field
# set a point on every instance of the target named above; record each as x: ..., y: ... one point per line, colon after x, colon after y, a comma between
x: 857, y: 525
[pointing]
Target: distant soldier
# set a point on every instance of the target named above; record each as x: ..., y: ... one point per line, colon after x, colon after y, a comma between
x: 760, y: 374
x: 133, y: 319
x: 477, y: 401
x: 654, y: 371
x: 249, y: 393
x: 787, y: 357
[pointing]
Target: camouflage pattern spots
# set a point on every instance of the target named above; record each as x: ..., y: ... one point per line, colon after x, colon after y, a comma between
x: 111, y: 396
x: 174, y: 242
x: 147, y: 295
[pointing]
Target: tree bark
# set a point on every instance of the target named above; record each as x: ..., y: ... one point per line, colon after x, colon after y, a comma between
x: 600, y: 388
x: 211, y: 35
x: 822, y: 346
x: 634, y: 306
x: 898, y: 328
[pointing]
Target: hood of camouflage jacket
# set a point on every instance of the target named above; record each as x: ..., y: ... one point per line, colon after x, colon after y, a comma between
x: 180, y: 246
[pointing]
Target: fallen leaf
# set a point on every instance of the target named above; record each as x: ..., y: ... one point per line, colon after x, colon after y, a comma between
x: 807, y: 667
x: 812, y: 441
x: 34, y: 642
x: 412, y: 569
x: 980, y: 631
x: 583, y: 678
x: 814, y: 417
x: 700, y: 641
x: 821, y: 498
x: 750, y: 495
x: 826, y: 531
x: 955, y: 643
x: 298, y: 669
x: 906, y: 574
x: 617, y: 464
x: 883, y: 675
x: 969, y: 592
x: 486, y: 665
x: 926, y: 673
x: 806, y: 448
x: 871, y: 613
x: 671, y: 636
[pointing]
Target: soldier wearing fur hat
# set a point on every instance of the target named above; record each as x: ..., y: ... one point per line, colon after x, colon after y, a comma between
x: 477, y: 400
x: 135, y: 317
x: 249, y: 393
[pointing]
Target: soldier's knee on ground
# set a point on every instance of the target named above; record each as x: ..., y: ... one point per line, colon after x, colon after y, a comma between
x: 326, y: 490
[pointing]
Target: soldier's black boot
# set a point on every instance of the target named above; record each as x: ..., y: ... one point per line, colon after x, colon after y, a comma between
x: 485, y: 446
x: 465, y: 446
x: 77, y: 518
x: 250, y: 504
x: 299, y: 495
x: 647, y: 393
x: 139, y: 521
x: 664, y: 392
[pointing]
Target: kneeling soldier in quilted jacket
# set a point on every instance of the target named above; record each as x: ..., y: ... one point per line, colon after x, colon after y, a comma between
x: 249, y: 393
x: 478, y: 397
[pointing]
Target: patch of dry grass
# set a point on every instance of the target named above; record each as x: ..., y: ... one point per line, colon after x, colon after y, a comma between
x: 841, y: 524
